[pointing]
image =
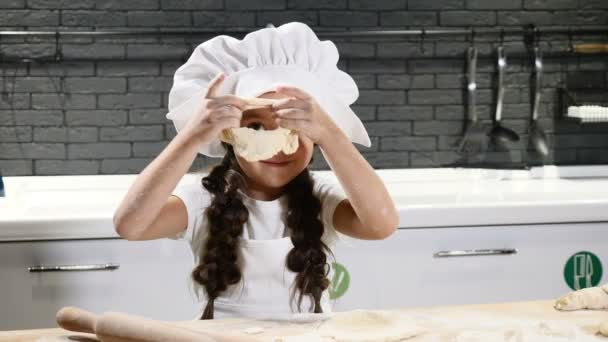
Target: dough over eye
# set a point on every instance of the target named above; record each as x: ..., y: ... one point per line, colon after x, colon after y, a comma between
x: 254, y: 145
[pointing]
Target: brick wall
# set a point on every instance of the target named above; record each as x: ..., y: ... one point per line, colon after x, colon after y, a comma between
x: 103, y: 110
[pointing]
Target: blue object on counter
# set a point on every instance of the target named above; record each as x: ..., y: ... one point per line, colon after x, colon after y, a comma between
x: 1, y: 186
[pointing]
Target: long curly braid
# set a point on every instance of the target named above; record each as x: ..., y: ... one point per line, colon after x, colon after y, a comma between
x: 308, y: 258
x: 227, y: 214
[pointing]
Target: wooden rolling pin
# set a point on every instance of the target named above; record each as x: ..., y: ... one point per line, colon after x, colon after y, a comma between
x: 591, y: 48
x: 121, y: 327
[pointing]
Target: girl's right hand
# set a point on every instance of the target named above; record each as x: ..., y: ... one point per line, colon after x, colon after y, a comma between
x: 214, y: 114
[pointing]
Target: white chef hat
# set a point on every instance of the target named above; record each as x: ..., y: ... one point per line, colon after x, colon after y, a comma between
x: 290, y: 54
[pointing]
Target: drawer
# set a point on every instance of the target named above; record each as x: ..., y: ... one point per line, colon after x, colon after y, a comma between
x: 152, y: 279
x: 402, y: 270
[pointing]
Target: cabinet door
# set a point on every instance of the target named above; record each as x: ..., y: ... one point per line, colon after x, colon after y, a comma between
x: 152, y: 280
x: 402, y: 270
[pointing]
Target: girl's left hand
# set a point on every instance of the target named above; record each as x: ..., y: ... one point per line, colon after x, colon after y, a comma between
x: 301, y: 112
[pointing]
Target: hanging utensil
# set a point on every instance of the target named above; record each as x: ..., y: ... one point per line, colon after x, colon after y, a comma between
x: 590, y: 48
x: 537, y: 135
x: 475, y: 136
x: 501, y: 135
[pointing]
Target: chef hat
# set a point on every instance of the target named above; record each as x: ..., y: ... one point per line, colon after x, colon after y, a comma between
x: 290, y: 54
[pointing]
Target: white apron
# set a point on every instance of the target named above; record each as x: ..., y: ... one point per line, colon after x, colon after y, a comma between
x: 265, y: 287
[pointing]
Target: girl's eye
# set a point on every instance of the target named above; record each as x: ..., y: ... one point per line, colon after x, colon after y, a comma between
x: 255, y: 125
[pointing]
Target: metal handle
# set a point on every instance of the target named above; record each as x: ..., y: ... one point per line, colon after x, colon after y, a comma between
x: 74, y: 268
x: 472, y: 85
x: 475, y: 252
x: 538, y: 67
x: 502, y: 64
x: 591, y: 48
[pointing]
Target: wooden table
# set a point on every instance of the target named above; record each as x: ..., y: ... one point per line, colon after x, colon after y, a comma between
x: 445, y: 323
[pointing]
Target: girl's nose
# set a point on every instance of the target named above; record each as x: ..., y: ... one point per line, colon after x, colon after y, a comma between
x: 270, y: 122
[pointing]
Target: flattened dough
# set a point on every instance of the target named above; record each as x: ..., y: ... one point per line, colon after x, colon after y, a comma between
x: 593, y: 298
x: 368, y: 326
x: 254, y: 145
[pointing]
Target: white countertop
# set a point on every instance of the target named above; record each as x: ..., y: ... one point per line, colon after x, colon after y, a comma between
x: 76, y: 207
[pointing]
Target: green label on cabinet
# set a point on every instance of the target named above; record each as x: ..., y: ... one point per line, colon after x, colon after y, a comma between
x: 583, y: 270
x: 339, y: 282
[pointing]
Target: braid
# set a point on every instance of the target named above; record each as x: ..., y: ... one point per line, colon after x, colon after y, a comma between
x: 308, y: 258
x: 226, y: 214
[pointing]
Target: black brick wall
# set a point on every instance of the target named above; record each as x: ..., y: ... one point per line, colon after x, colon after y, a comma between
x: 104, y: 112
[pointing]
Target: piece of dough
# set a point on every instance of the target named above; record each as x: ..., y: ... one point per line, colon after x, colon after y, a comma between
x: 604, y: 328
x: 368, y: 326
x: 594, y: 298
x: 254, y: 145
x: 253, y: 330
x: 258, y: 102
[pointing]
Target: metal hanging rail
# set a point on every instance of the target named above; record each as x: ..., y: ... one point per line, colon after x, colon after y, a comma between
x: 529, y: 34
x: 322, y: 34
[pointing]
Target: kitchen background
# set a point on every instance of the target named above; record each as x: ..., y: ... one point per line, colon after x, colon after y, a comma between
x: 101, y: 110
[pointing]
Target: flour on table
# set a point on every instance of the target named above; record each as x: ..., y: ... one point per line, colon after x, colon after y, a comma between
x: 308, y: 337
x: 254, y: 145
x: 594, y: 298
x: 368, y: 326
x: 253, y: 330
x: 526, y: 332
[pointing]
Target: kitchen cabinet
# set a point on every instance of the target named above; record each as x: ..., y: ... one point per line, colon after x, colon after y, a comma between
x: 402, y: 270
x: 152, y: 279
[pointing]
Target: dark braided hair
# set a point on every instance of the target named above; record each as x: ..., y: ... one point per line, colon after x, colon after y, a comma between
x: 227, y: 214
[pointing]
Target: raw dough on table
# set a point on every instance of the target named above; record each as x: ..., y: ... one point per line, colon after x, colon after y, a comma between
x: 604, y: 328
x: 361, y: 326
x: 253, y: 330
x: 594, y: 298
x: 254, y: 145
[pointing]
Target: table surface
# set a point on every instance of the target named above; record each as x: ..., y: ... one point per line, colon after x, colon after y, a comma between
x: 446, y: 323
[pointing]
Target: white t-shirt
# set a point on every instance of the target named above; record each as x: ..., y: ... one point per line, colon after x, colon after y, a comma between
x: 264, y: 226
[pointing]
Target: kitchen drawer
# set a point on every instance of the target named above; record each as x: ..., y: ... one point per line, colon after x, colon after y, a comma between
x: 152, y: 280
x: 402, y: 271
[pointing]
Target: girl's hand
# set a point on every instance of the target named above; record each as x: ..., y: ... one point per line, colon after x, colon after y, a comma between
x: 214, y: 114
x: 302, y: 113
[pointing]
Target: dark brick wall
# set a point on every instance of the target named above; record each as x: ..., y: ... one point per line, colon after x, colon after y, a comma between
x: 104, y: 112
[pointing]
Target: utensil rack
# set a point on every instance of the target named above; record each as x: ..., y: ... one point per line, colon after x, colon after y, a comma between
x: 520, y: 32
x: 510, y: 30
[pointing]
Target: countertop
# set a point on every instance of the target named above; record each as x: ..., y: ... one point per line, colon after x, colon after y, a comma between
x: 523, y: 321
x: 79, y: 207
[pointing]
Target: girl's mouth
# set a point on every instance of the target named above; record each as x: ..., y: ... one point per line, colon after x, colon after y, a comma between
x: 275, y: 163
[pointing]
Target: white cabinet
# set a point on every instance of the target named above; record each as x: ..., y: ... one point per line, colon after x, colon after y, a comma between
x: 152, y: 280
x: 403, y: 272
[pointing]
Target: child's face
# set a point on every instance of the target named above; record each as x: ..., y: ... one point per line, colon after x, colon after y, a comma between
x: 279, y: 170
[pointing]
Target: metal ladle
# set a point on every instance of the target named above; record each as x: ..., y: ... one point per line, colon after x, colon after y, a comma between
x: 537, y: 134
x: 501, y: 135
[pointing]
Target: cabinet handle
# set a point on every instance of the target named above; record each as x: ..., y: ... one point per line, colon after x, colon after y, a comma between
x: 475, y: 252
x: 74, y: 268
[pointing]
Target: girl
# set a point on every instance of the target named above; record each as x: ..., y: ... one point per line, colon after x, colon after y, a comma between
x: 261, y: 231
